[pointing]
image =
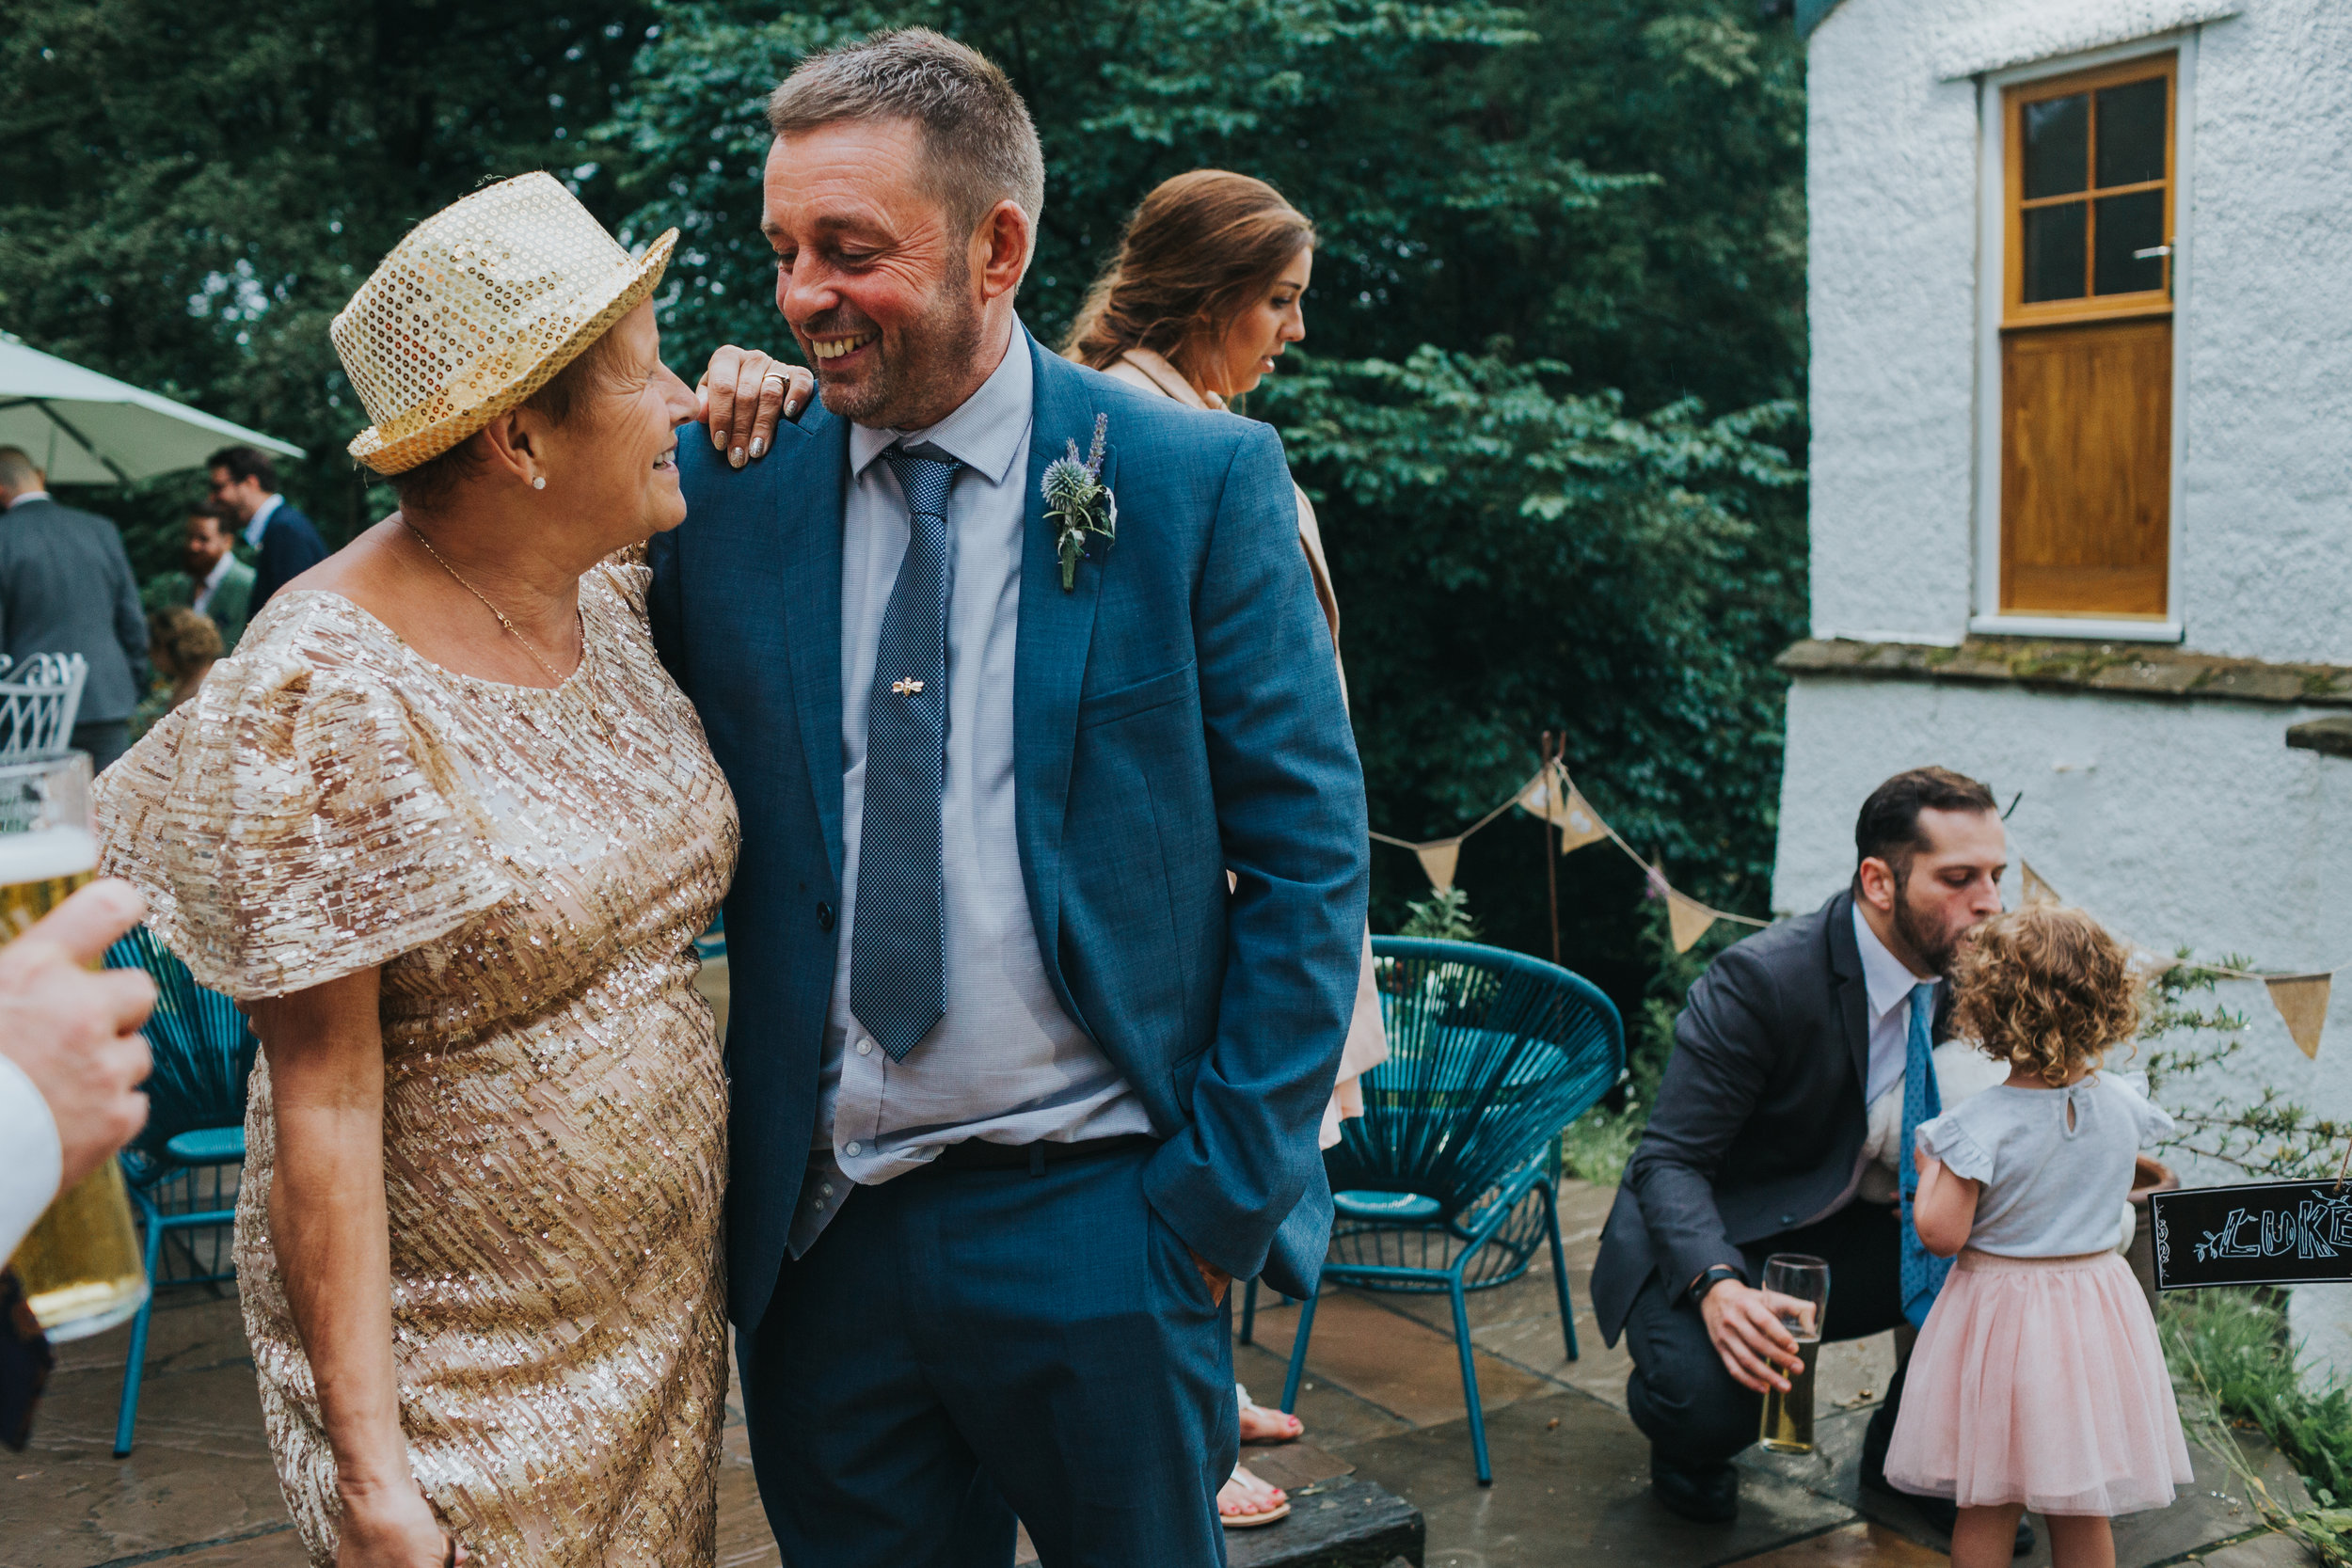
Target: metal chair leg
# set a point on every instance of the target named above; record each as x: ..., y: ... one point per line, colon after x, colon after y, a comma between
x: 135, y: 1367
x: 1249, y: 1308
x: 1298, y: 1354
x: 1559, y: 1265
x: 1470, y: 1385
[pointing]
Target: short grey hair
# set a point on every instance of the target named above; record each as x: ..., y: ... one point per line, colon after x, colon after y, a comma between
x: 982, y: 145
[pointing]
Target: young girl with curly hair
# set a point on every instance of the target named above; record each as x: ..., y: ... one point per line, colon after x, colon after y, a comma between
x: 2038, y: 1381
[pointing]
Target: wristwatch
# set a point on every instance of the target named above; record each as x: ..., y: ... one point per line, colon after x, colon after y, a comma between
x: 1708, y: 1281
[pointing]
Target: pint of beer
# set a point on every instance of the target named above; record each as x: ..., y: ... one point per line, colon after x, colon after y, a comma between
x: 1797, y: 1288
x: 80, y: 1266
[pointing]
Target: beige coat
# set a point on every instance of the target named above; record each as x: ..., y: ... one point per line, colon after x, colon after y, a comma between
x: 1367, y: 1039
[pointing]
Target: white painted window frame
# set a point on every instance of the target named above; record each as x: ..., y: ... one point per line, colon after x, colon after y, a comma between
x: 1992, y: 289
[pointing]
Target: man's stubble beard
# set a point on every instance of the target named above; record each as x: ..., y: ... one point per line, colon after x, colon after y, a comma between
x: 933, y: 348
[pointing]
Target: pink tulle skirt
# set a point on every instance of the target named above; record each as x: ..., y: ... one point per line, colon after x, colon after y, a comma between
x: 2039, y: 1381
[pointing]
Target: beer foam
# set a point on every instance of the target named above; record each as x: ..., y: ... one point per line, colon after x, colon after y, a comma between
x: 37, y: 857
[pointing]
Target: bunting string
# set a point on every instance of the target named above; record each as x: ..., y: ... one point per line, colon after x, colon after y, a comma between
x: 2301, y: 1000
x: 1552, y: 796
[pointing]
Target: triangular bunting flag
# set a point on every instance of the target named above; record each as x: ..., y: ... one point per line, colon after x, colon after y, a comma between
x: 1552, y: 796
x: 2302, y: 1000
x: 1579, y: 823
x: 1536, y: 798
x: 2037, y: 891
x: 1686, y: 918
x: 1437, y: 861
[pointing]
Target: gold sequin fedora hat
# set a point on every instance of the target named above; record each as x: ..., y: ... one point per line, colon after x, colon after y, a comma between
x: 477, y: 309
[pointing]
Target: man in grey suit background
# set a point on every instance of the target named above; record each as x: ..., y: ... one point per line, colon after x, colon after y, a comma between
x: 66, y: 588
x: 1779, y: 1127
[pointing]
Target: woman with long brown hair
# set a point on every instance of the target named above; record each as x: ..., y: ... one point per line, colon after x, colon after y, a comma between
x: 1201, y: 300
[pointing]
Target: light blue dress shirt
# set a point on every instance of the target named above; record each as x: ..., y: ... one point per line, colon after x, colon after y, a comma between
x: 260, y: 525
x: 1006, y: 1064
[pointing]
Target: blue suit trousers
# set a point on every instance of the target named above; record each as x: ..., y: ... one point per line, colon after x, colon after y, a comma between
x: 963, y: 1346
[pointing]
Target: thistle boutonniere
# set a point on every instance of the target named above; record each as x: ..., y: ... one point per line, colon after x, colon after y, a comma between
x: 1077, y: 502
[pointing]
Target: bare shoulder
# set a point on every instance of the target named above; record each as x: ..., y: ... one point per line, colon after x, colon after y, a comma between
x: 361, y: 571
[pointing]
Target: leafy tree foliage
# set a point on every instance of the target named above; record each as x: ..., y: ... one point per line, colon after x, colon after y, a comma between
x: 196, y: 186
x: 1309, y: 94
x: 1530, y: 558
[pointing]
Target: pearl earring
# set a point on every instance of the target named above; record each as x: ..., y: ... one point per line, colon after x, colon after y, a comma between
x: 540, y: 482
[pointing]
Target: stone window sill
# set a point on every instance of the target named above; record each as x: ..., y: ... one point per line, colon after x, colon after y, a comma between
x: 2078, y: 627
x: 2112, y: 668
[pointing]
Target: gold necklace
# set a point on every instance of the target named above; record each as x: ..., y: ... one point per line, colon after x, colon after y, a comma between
x: 516, y: 632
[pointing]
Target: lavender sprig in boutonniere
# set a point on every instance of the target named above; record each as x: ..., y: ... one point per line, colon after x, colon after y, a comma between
x: 1077, y: 502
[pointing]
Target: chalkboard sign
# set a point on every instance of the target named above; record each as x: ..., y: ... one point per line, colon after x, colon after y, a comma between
x: 2270, y: 1233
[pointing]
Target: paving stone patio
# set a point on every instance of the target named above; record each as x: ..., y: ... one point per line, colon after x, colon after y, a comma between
x: 1382, y: 1402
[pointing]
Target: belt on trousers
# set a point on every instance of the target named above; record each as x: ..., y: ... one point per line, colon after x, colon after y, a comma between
x: 972, y: 1154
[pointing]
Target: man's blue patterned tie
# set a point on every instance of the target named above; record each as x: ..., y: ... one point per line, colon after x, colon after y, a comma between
x: 1923, y: 1272
x: 898, y: 964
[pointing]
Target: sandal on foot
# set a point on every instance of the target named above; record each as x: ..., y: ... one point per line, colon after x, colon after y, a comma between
x: 1273, y: 1426
x: 1245, y: 1502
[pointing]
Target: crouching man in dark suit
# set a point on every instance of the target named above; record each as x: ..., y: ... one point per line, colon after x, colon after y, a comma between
x: 1779, y: 1128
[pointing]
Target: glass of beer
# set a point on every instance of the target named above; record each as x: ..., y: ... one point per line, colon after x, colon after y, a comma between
x: 1798, y: 1288
x: 80, y: 1265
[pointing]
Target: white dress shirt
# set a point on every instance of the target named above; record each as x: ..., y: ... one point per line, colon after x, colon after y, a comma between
x: 260, y: 519
x: 32, y: 1163
x: 1961, y: 1071
x: 26, y: 498
x: 1889, y: 982
x: 1004, y: 1064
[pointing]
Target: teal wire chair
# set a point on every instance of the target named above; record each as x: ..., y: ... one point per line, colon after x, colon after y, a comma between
x: 1449, y: 1180
x: 182, y: 1168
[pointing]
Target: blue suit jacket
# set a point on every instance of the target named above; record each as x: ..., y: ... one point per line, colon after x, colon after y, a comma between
x: 290, y: 546
x: 1177, y: 714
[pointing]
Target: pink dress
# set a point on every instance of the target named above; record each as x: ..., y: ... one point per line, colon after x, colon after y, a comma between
x: 2038, y: 1378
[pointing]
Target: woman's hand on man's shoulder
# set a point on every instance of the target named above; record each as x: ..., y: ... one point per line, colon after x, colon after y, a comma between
x: 741, y: 396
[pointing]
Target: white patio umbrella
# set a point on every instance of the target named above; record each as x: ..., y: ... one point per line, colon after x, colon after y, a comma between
x: 84, y: 428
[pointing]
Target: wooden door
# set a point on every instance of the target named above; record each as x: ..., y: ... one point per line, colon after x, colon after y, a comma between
x: 2086, y: 468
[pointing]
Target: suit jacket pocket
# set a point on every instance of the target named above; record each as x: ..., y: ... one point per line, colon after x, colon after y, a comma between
x: 1125, y: 701
x: 1182, y: 1077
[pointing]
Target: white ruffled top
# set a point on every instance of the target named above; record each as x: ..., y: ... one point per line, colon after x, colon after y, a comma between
x: 2056, y: 1164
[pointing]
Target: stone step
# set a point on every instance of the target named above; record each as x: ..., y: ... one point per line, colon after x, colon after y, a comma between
x: 1347, y: 1522
x: 1337, y: 1519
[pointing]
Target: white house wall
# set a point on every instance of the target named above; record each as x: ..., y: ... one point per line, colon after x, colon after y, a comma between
x: 2266, y: 548
x: 2265, y: 326
x: 1891, y: 266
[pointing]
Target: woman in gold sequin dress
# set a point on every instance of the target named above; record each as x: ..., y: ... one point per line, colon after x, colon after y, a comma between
x: 448, y: 830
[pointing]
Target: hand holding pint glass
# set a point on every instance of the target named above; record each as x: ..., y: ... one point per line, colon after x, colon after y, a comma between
x: 74, y: 1033
x: 1797, y: 1288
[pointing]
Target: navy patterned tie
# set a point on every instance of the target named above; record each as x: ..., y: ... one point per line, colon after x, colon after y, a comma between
x: 1921, y: 1271
x: 898, y: 964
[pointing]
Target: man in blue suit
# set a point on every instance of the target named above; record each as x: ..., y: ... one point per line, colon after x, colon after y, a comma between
x: 1020, y: 1085
x: 285, y: 544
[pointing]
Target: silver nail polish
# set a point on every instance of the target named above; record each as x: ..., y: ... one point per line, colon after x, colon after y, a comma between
x: 719, y: 439
x: 758, y: 446
x: 735, y: 457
